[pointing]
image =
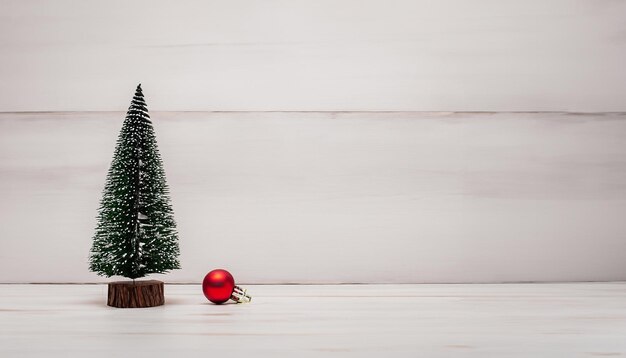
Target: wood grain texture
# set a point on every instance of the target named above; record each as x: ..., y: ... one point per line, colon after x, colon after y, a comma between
x: 333, y: 197
x: 135, y: 294
x: 437, y: 321
x: 424, y: 55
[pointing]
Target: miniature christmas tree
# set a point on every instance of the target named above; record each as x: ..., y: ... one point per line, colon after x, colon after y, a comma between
x: 136, y: 232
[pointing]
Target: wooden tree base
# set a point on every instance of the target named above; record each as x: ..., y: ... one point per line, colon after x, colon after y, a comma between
x: 126, y: 294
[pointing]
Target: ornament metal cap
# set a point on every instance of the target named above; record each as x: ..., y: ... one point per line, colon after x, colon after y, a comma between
x: 240, y: 295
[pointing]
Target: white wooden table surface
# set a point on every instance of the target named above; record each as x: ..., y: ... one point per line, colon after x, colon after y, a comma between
x: 511, y: 320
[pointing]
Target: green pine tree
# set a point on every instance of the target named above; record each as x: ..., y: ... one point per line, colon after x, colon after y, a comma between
x: 136, y: 233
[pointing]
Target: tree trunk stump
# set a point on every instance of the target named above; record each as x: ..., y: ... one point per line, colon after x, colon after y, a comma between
x: 138, y: 294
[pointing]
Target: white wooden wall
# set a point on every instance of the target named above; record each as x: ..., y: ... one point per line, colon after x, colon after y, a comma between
x: 432, y: 55
x: 369, y: 197
x: 325, y: 197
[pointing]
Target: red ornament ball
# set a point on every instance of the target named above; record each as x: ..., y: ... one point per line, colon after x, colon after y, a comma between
x: 218, y: 286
